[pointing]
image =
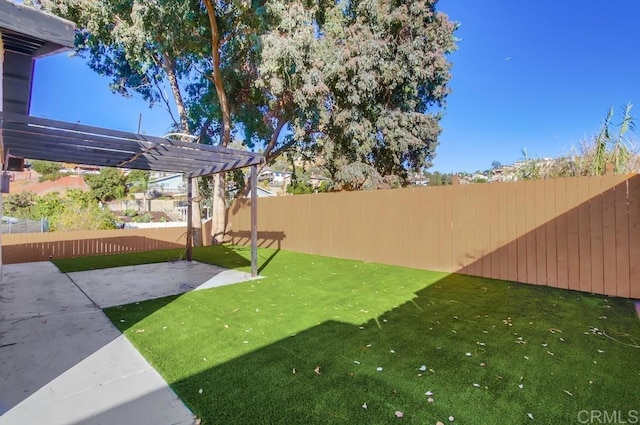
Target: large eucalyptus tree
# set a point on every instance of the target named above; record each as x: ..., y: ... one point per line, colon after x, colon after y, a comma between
x: 359, y: 84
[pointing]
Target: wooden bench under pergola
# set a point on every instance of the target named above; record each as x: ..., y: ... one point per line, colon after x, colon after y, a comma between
x: 27, y: 34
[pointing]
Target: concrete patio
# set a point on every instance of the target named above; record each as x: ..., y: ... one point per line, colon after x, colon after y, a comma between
x: 63, y: 362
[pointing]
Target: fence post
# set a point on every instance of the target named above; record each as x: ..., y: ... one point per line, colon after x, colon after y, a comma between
x: 609, y: 169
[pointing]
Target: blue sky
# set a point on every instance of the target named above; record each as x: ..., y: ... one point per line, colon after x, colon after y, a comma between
x: 534, y: 74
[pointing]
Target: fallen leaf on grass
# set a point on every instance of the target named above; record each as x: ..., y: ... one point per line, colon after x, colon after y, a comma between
x: 139, y: 331
x: 422, y: 368
x: 399, y: 414
x: 430, y: 400
x: 550, y: 353
x: 476, y: 385
x: 317, y: 370
x: 379, y: 369
x: 568, y: 392
x: 530, y: 416
x: 429, y: 393
x: 364, y: 406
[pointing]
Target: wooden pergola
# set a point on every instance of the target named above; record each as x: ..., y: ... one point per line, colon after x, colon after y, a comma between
x: 27, y: 34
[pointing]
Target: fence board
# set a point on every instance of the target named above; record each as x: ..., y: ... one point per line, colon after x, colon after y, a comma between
x: 446, y: 234
x: 561, y: 233
x: 521, y: 233
x: 530, y: 220
x: 596, y: 214
x: 466, y: 231
x: 609, y: 241
x: 573, y: 241
x: 540, y: 232
x: 502, y: 226
x: 476, y: 201
x: 634, y: 239
x: 622, y: 239
x: 584, y: 230
x: 551, y: 251
x: 485, y: 230
x: 512, y: 231
x: 456, y: 211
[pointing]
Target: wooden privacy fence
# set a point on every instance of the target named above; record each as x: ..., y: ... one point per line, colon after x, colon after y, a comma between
x: 28, y: 247
x: 576, y: 233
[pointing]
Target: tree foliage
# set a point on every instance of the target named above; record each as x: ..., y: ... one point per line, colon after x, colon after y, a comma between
x: 110, y: 184
x: 137, y: 181
x: 75, y: 210
x: 19, y: 204
x: 365, y: 80
x: 45, y: 167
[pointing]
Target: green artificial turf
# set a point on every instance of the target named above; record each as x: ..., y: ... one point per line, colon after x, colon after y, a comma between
x: 319, y: 338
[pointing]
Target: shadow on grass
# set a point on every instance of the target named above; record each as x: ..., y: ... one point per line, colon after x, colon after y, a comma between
x: 471, y: 341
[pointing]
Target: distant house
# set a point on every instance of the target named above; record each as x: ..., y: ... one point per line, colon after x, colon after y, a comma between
x: 170, y: 184
x: 281, y: 177
x: 275, y: 178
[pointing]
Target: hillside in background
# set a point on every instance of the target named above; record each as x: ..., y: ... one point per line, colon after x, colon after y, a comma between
x: 27, y: 181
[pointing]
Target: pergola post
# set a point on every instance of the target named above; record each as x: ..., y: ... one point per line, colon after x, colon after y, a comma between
x: 189, y: 220
x: 254, y: 220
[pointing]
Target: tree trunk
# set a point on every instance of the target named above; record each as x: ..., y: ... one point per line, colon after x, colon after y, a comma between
x: 170, y: 69
x: 218, y: 224
x: 196, y: 215
x: 218, y: 201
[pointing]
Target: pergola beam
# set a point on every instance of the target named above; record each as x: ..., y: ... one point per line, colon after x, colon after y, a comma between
x: 40, y: 138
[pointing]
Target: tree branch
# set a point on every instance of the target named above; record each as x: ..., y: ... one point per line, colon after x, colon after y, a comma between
x: 225, y: 135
